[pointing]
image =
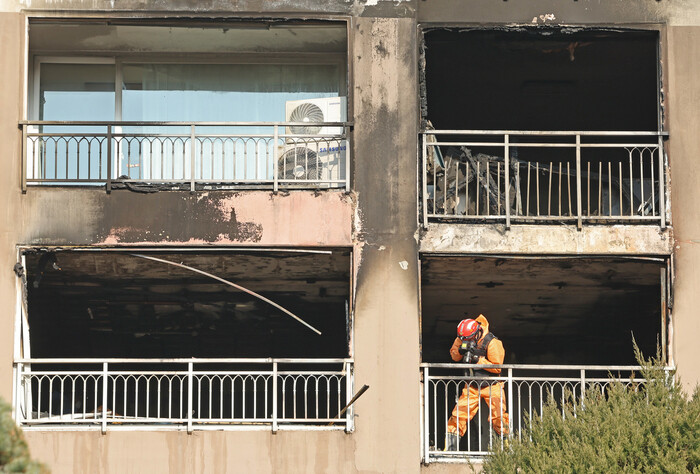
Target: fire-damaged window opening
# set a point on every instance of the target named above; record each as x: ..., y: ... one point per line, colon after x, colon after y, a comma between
x: 565, y: 324
x: 537, y: 124
x: 153, y: 105
x: 168, y: 330
x: 559, y: 310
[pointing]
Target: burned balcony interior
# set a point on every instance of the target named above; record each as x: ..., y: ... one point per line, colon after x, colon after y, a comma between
x: 542, y: 124
x: 113, y: 304
x: 187, y: 104
x: 565, y: 324
x: 547, y: 310
x: 93, y: 306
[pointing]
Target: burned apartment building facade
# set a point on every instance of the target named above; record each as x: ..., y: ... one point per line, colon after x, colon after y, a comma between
x: 224, y: 220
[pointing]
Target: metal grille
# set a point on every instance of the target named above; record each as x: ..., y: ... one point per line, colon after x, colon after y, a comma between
x: 263, y: 155
x: 544, y: 176
x: 526, y: 389
x: 196, y: 393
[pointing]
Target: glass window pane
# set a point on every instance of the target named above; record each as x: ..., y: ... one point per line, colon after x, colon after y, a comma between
x: 214, y: 93
x: 73, y: 92
x: 222, y: 92
x: 77, y: 92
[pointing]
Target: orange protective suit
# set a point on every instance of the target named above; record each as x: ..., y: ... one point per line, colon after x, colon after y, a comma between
x: 493, y: 392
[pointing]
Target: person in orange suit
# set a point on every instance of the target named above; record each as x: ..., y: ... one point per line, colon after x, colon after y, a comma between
x: 475, y: 342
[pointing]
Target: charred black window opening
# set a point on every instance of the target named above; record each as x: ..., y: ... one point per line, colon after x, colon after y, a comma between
x: 111, y: 304
x: 546, y: 311
x: 542, y: 79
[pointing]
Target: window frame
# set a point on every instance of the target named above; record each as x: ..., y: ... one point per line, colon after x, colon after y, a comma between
x: 106, y: 421
x: 119, y: 60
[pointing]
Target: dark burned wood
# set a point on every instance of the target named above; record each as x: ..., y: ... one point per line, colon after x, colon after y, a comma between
x: 359, y: 393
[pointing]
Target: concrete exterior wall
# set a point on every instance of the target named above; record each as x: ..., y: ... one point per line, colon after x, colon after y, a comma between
x: 386, y: 326
x: 93, y: 217
x: 178, y: 452
x: 378, y: 219
x: 684, y: 121
x: 552, y: 240
x: 11, y: 35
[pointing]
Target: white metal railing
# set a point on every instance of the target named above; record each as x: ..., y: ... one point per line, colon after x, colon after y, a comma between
x: 538, y: 176
x: 526, y: 389
x: 194, y: 393
x: 214, y: 154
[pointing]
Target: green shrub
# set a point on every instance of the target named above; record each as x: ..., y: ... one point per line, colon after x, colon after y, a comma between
x: 14, y: 453
x: 651, y: 427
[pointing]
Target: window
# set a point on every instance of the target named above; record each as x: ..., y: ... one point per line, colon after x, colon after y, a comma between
x: 535, y: 79
x: 118, y: 338
x: 546, y: 310
x: 545, y: 124
x: 565, y: 324
x: 189, y: 103
x: 176, y: 92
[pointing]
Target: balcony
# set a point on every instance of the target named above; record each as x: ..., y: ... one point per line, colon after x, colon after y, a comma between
x: 527, y: 389
x: 187, y: 155
x: 113, y: 341
x: 184, y: 394
x: 544, y: 177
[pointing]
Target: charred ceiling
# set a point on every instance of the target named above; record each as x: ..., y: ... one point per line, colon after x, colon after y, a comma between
x: 114, y: 304
x: 551, y: 311
x: 542, y: 79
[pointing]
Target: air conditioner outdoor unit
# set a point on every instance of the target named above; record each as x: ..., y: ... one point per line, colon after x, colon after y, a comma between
x: 316, y: 157
x: 326, y: 109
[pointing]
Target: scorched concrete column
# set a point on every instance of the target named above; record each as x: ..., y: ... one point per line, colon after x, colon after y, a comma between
x: 386, y: 317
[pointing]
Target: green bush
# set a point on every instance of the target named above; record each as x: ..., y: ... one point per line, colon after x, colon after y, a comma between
x: 650, y: 427
x: 14, y: 453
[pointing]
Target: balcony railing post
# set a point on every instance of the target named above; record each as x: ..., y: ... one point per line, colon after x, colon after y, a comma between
x: 579, y: 222
x: 662, y: 182
x: 583, y: 386
x: 349, y: 389
x: 506, y: 142
x: 348, y: 156
x: 274, y: 397
x: 24, y: 158
x: 105, y: 384
x: 193, y: 151
x: 190, y: 388
x: 27, y: 392
x: 510, y: 401
x: 16, y: 394
x: 275, y: 158
x: 426, y: 415
x: 109, y: 159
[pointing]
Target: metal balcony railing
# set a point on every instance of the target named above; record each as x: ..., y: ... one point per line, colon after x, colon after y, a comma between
x: 526, y: 388
x: 192, y: 394
x: 228, y: 155
x: 537, y: 176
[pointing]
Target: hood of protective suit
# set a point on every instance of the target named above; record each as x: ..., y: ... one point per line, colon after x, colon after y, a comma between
x: 484, y: 324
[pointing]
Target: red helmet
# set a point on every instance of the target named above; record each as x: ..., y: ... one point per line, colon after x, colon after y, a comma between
x: 468, y: 329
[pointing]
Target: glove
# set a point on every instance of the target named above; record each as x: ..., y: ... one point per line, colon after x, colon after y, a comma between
x: 472, y: 359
